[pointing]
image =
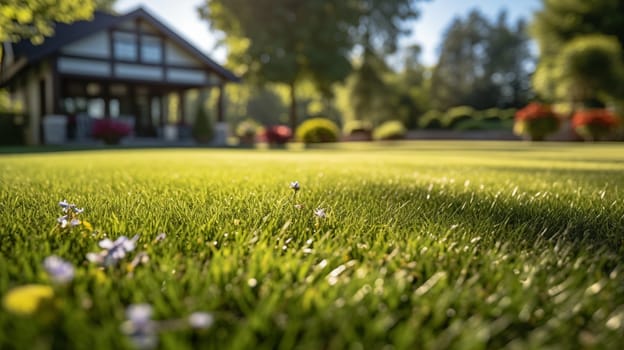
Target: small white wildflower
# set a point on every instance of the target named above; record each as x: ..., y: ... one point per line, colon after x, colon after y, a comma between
x: 97, y: 258
x: 140, y: 258
x: 113, y: 250
x: 59, y: 270
x: 139, y: 314
x: 320, y: 213
x: 295, y: 186
x: 64, y: 204
x: 62, y: 221
x: 200, y: 320
x: 71, y: 212
x: 139, y: 326
x: 161, y: 237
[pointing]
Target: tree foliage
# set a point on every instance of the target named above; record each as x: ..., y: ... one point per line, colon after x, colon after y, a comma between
x: 369, y: 94
x: 34, y: 19
x: 482, y: 64
x: 574, y: 63
x: 590, y: 66
x: 381, y: 22
x: 287, y: 42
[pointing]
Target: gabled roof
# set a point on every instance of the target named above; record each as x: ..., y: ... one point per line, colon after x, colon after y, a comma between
x: 65, y: 34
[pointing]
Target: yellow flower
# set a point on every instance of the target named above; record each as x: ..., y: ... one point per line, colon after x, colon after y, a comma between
x: 87, y: 225
x: 26, y: 300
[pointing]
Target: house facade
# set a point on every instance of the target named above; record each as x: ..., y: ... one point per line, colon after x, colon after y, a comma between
x: 131, y: 67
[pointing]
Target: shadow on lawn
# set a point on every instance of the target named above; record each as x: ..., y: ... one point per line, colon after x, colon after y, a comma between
x: 525, y: 222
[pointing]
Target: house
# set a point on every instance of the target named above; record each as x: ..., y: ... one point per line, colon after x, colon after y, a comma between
x: 131, y: 67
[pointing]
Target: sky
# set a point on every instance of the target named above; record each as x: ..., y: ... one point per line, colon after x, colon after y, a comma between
x: 427, y: 31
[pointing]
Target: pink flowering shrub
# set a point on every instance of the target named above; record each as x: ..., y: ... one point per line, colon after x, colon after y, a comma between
x: 110, y: 131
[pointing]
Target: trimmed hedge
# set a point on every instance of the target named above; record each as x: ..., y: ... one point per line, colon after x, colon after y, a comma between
x: 318, y: 130
x: 390, y: 130
x: 456, y: 115
x: 357, y: 126
x: 431, y: 120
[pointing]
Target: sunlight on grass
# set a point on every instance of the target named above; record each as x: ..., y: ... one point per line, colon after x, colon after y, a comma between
x: 419, y: 245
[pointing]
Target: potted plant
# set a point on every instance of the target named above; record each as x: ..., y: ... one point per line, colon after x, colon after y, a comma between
x: 202, y: 127
x: 536, y: 121
x: 277, y: 135
x: 110, y: 131
x: 594, y: 124
x: 246, y: 132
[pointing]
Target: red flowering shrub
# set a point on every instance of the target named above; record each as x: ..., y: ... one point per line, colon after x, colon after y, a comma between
x: 277, y: 134
x: 594, y: 124
x: 536, y: 121
x: 533, y: 111
x: 109, y: 130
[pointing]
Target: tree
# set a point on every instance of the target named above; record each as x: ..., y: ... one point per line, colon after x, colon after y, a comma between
x: 105, y: 5
x: 265, y: 107
x: 287, y: 42
x: 482, y: 64
x: 412, y: 88
x: 591, y: 66
x: 561, y: 30
x: 381, y: 22
x: 369, y: 93
x: 34, y: 19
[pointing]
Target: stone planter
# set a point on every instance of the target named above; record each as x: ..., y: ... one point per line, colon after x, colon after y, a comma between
x: 55, y: 129
x: 170, y: 132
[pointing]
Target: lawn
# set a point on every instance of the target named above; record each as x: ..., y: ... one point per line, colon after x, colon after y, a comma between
x: 428, y: 245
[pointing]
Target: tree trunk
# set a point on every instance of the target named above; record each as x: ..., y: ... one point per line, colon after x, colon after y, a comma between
x: 292, y: 118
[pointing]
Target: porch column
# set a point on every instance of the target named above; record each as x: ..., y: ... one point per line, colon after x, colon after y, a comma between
x: 181, y: 109
x: 220, y: 104
x: 221, y: 127
x: 56, y: 93
x: 31, y: 96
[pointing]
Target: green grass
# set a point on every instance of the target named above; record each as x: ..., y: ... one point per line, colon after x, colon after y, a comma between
x: 427, y: 245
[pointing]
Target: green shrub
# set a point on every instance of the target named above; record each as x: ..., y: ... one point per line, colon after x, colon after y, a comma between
x: 390, y: 130
x: 12, y: 129
x: 431, y: 120
x: 246, y: 131
x: 488, y: 119
x: 457, y: 115
x: 475, y: 124
x: 317, y: 130
x: 508, y: 114
x: 202, y: 126
x: 492, y: 115
x: 247, y: 128
x: 357, y: 126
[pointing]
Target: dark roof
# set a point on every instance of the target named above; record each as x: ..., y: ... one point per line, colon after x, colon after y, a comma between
x: 65, y: 34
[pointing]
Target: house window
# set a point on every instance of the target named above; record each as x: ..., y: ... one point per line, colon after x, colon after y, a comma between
x: 95, y: 108
x: 114, y: 108
x: 125, y: 46
x: 93, y: 89
x: 151, y: 49
x: 118, y: 89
